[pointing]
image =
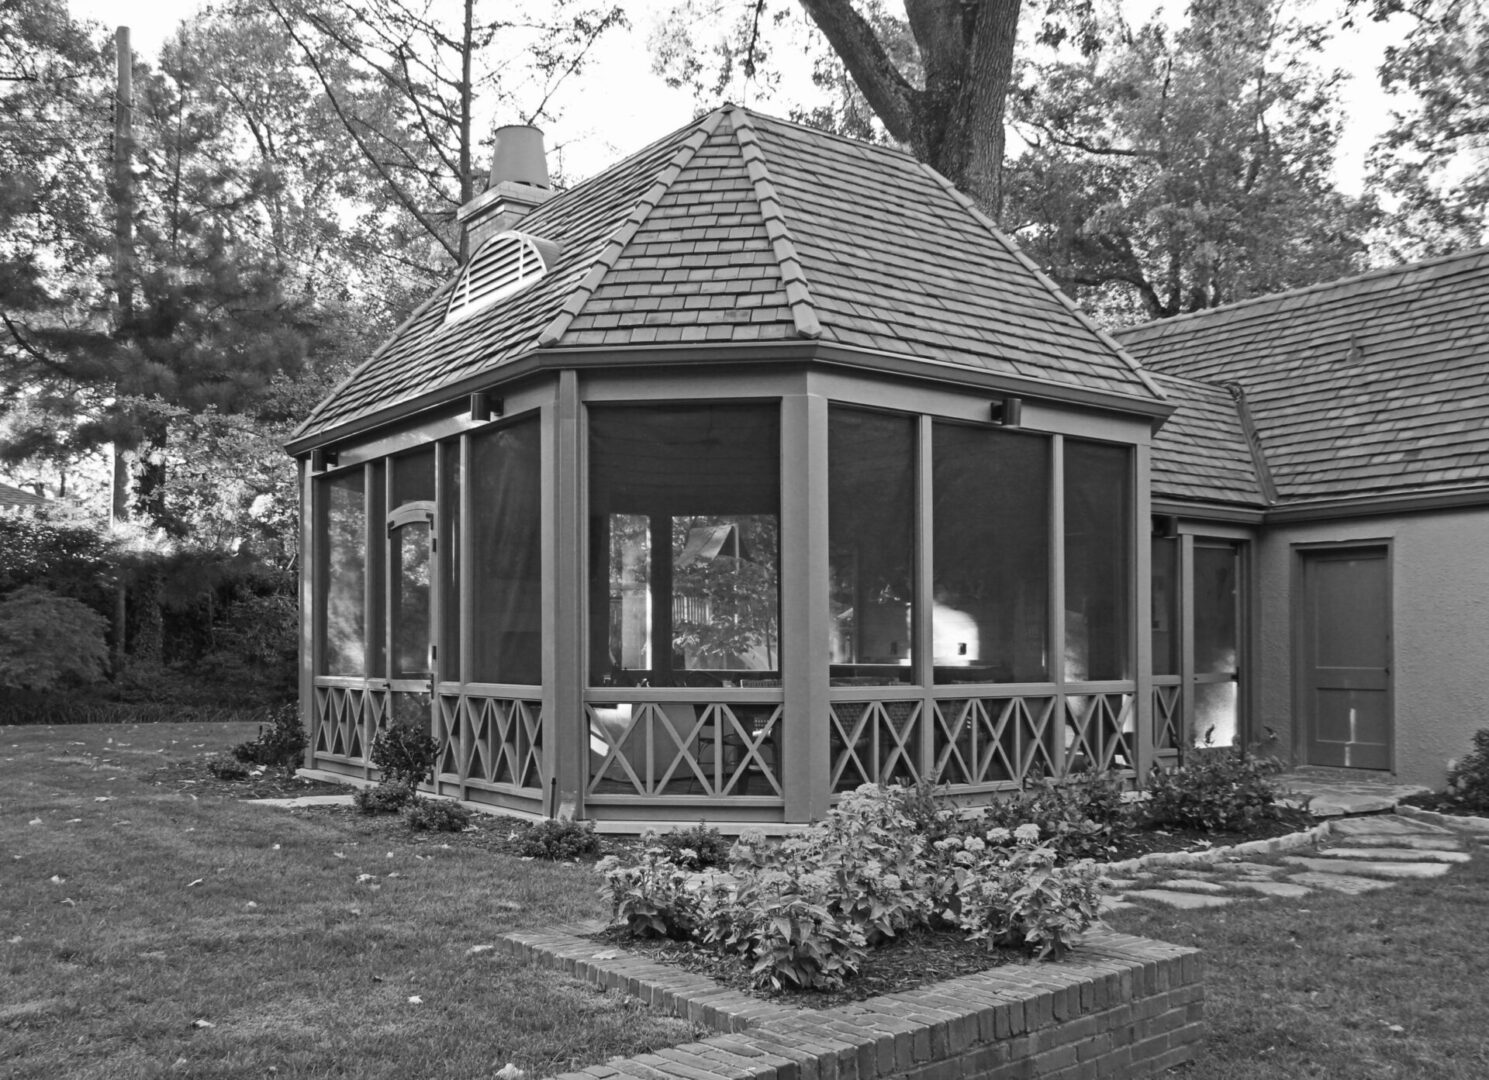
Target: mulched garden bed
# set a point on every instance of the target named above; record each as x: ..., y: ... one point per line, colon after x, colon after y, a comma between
x: 914, y: 959
x: 1442, y: 804
x: 192, y: 777
x: 1132, y: 843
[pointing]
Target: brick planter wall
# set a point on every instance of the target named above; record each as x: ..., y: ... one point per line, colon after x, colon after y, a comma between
x: 1117, y: 1006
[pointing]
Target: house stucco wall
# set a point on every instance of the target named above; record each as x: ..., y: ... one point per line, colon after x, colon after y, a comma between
x: 1439, y: 571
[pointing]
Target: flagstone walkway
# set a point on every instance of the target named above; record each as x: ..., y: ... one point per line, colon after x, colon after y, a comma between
x: 1359, y: 854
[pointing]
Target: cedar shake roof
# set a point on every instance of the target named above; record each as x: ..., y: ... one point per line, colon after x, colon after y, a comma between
x: 1201, y: 452
x: 744, y: 229
x: 11, y: 496
x: 1372, y: 385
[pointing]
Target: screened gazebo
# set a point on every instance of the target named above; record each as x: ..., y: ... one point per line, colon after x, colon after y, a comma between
x: 755, y: 468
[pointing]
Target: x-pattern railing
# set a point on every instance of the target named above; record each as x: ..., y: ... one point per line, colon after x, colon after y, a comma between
x: 992, y: 740
x: 875, y: 742
x: 1102, y: 731
x: 344, y: 717
x: 1166, y: 717
x: 676, y: 748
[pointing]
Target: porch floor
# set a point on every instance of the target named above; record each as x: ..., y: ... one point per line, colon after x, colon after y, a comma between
x: 1343, y: 792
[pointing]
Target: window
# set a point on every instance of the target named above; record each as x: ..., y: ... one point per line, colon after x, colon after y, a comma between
x: 343, y: 584
x: 990, y: 610
x: 1216, y: 643
x: 411, y: 564
x: 871, y: 545
x: 506, y: 587
x: 1098, y: 515
x: 684, y: 544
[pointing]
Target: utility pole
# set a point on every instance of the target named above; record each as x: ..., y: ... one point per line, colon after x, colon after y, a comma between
x: 123, y: 289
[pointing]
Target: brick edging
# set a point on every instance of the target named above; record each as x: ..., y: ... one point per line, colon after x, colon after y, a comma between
x: 1116, y: 1005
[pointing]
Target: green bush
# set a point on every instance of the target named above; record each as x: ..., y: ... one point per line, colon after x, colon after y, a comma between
x: 1468, y: 777
x: 227, y: 767
x: 282, y: 745
x: 1219, y: 790
x: 48, y: 641
x: 802, y: 911
x: 405, y: 751
x: 1077, y: 817
x: 389, y: 797
x: 436, y: 815
x: 695, y: 848
x: 558, y: 839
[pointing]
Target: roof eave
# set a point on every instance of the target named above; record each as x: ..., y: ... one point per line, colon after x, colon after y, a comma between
x: 539, y: 361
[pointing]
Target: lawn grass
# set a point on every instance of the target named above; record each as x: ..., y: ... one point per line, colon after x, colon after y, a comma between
x: 1390, y: 984
x: 145, y: 933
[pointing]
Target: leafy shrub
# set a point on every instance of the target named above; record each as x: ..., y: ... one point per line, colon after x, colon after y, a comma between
x: 803, y: 911
x: 1077, y: 817
x: 436, y: 815
x: 405, y: 751
x: 282, y: 745
x: 389, y: 797
x: 558, y: 839
x: 1218, y: 790
x: 695, y: 848
x: 227, y: 767
x: 1468, y: 778
x: 48, y: 640
x: 1009, y: 892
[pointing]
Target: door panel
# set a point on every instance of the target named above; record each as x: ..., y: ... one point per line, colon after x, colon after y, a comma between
x: 1346, y: 684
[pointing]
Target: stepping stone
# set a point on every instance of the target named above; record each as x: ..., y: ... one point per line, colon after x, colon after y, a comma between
x: 1373, y: 869
x: 1192, y: 886
x: 1253, y: 869
x: 1112, y: 903
x: 1394, y: 854
x: 1274, y: 888
x: 1383, y: 825
x: 1341, y: 883
x: 1421, y: 843
x: 1182, y: 900
x: 1118, y: 884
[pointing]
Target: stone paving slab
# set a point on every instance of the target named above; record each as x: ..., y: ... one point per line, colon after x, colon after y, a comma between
x: 1370, y: 869
x: 1340, y: 883
x: 1253, y: 869
x: 1421, y: 843
x: 1273, y: 888
x: 1182, y: 900
x: 1188, y: 885
x: 1384, y: 824
x: 1394, y: 854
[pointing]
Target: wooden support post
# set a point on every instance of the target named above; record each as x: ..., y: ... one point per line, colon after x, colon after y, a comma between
x: 565, y: 731
x: 805, y: 630
x: 1140, y: 623
x: 1186, y: 644
x: 312, y: 618
x: 921, y: 618
x: 1055, y: 650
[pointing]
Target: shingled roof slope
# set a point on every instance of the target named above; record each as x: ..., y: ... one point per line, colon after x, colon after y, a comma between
x: 1369, y: 385
x: 1201, y: 452
x: 742, y: 228
x: 11, y: 496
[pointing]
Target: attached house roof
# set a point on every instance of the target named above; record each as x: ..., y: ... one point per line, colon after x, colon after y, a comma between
x: 740, y: 229
x: 1201, y: 452
x: 13, y: 496
x: 1369, y: 386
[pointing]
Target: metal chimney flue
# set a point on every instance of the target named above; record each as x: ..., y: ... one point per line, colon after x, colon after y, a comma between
x: 519, y: 157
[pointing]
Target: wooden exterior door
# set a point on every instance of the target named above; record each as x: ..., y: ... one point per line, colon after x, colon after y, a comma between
x: 1346, y: 658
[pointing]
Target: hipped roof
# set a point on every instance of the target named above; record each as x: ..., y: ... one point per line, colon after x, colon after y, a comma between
x: 1368, y: 386
x: 740, y: 229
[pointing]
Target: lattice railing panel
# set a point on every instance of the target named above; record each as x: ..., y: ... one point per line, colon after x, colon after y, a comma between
x: 346, y: 719
x: 1101, y: 733
x: 490, y: 740
x: 993, y: 740
x: 1168, y: 720
x: 875, y: 742
x: 707, y: 749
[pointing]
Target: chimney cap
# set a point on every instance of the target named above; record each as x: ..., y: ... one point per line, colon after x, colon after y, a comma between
x: 519, y: 157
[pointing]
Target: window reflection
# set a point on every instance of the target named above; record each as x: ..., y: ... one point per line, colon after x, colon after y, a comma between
x: 344, y: 579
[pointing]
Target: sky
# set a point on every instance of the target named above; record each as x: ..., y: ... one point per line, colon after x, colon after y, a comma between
x: 618, y: 106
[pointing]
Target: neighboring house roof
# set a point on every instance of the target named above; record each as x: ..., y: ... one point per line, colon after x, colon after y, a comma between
x: 13, y: 496
x: 1201, y: 452
x: 742, y: 229
x: 1371, y: 385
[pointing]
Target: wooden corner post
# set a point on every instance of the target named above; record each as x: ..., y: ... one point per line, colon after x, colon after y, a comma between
x: 805, y: 633
x: 565, y: 733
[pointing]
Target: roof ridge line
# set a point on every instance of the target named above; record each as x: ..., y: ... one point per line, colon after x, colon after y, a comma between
x: 1249, y: 432
x: 1044, y: 279
x: 377, y: 353
x: 788, y: 263
x: 574, y: 303
x: 1303, y: 290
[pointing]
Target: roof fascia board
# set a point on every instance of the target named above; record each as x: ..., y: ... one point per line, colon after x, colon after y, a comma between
x: 1208, y: 511
x: 1374, y: 505
x: 784, y: 352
